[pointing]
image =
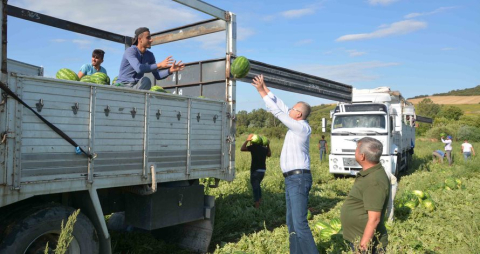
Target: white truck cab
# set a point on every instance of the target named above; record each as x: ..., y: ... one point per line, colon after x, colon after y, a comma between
x: 378, y: 113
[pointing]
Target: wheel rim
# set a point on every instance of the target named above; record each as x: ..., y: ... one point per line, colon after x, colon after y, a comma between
x: 37, y: 246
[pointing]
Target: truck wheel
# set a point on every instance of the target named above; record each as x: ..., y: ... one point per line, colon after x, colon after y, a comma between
x: 30, y: 230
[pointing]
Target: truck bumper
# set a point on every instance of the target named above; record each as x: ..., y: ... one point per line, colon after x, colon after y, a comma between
x: 347, y: 165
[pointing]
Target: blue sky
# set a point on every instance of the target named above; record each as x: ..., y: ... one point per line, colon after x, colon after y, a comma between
x: 416, y: 47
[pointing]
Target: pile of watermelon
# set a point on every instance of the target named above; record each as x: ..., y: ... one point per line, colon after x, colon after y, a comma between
x: 240, y: 67
x: 67, y: 74
x: 453, y: 184
x: 414, y: 199
x: 260, y: 140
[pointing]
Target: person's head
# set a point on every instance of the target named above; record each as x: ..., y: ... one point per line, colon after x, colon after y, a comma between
x: 97, y: 57
x: 323, y: 136
x: 300, y: 111
x: 465, y: 141
x: 449, y: 137
x: 142, y: 38
x: 368, y: 151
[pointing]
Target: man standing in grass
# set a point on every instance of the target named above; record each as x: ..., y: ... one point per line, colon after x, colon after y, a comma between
x: 448, y: 149
x: 322, y: 146
x: 467, y: 150
x: 258, y: 166
x: 295, y: 165
x: 363, y: 211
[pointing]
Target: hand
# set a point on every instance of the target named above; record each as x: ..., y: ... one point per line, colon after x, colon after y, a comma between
x: 177, y: 66
x: 165, y: 63
x: 258, y: 83
x: 363, y: 246
x: 250, y: 137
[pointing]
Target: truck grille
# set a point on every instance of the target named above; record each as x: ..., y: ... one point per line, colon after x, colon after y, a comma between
x: 350, y: 162
x: 348, y: 150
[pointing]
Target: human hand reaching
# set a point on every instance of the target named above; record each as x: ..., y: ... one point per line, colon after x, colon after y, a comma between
x: 167, y: 62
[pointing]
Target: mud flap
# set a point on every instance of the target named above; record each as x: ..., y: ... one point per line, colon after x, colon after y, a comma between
x: 195, y: 235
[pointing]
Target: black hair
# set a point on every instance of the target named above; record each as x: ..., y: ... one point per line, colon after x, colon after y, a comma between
x: 98, y: 53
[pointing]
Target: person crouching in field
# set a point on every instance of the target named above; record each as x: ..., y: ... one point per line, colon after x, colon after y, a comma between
x: 438, y: 155
x: 362, y: 213
x: 295, y: 165
x: 257, y: 167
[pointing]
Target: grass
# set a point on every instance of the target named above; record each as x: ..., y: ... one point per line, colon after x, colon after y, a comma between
x: 240, y: 228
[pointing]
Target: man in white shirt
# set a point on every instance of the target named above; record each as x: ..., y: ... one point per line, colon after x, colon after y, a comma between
x: 448, y: 149
x: 295, y: 165
x: 467, y: 150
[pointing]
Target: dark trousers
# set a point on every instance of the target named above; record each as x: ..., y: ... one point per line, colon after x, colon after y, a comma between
x: 297, y: 188
x: 255, y: 179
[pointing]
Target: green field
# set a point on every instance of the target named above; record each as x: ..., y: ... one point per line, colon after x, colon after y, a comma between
x: 240, y: 228
x: 468, y: 109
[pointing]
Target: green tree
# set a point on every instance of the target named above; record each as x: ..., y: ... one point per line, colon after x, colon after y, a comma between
x: 451, y: 112
x: 427, y: 108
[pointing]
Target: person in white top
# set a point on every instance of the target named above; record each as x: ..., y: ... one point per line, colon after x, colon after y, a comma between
x: 467, y: 150
x: 295, y: 165
x: 448, y: 149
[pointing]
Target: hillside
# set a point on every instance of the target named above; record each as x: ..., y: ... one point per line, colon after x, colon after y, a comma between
x: 475, y: 91
x: 449, y: 100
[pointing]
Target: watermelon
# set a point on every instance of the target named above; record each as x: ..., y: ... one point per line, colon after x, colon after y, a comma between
x: 450, y: 184
x: 428, y: 204
x: 265, y: 141
x: 309, y: 215
x: 327, y: 233
x: 87, y: 78
x: 67, y: 74
x: 321, y: 225
x: 201, y: 96
x: 443, y: 134
x: 114, y: 80
x: 336, y: 224
x: 419, y: 194
x: 240, y: 67
x: 411, y: 204
x: 158, y: 89
x: 100, y: 78
x: 257, y: 139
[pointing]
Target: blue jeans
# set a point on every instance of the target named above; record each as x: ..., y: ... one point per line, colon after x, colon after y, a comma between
x: 467, y: 155
x: 322, y: 152
x: 255, y: 179
x: 297, y: 188
x: 143, y: 84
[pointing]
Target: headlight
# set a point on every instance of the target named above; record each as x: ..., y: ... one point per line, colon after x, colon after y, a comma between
x: 335, y: 160
x: 382, y: 161
x: 335, y: 166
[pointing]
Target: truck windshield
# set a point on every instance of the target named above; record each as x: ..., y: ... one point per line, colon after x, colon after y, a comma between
x: 359, y: 121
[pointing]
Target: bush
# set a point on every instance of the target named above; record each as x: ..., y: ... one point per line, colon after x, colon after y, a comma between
x: 434, y: 132
x: 468, y: 132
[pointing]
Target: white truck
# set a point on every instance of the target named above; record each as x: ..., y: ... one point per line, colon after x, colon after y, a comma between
x: 378, y: 113
x: 144, y: 151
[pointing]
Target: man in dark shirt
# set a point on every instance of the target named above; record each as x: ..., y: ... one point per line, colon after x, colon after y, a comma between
x: 258, y: 167
x: 363, y: 211
x: 322, y: 146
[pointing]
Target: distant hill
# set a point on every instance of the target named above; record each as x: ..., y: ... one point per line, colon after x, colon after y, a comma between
x: 475, y: 91
x: 448, y: 100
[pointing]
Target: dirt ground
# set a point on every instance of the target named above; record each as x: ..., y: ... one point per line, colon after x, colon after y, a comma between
x: 450, y: 99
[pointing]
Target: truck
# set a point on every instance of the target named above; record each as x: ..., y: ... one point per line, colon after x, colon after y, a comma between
x: 68, y: 145
x: 378, y: 113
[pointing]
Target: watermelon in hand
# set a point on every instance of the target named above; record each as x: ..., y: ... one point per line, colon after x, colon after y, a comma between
x: 67, y: 74
x: 257, y: 139
x: 240, y: 67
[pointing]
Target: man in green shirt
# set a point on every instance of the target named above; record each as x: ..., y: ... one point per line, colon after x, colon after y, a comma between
x: 363, y: 211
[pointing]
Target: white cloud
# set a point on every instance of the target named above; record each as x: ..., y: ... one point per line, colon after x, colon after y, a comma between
x: 290, y: 14
x: 303, y: 42
x: 381, y: 2
x: 58, y: 40
x: 418, y: 14
x: 123, y: 17
x: 348, y: 73
x: 244, y: 33
x: 354, y: 53
x: 397, y: 28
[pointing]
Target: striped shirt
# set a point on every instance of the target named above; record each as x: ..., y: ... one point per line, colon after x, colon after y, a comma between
x: 295, y: 151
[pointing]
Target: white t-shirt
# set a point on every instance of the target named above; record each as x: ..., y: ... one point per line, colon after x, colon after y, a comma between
x: 448, y: 144
x: 467, y: 148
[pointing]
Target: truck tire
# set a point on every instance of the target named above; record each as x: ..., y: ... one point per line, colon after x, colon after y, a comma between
x: 31, y: 229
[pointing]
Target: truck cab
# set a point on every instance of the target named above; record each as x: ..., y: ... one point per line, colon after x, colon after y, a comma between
x: 377, y: 113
